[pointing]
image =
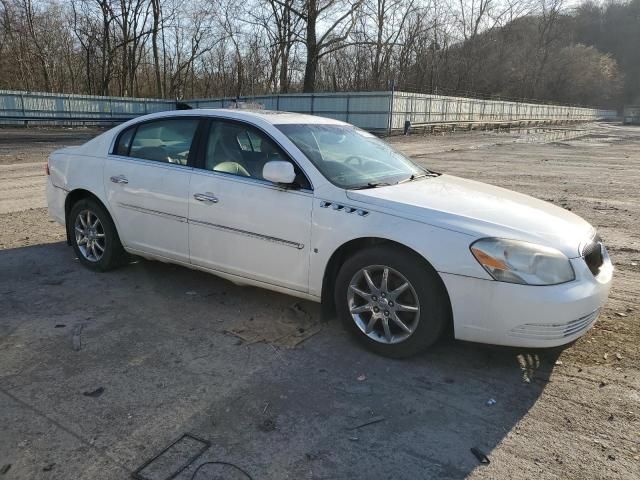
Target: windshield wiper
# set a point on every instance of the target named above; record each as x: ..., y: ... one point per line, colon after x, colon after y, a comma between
x: 416, y: 177
x: 372, y: 185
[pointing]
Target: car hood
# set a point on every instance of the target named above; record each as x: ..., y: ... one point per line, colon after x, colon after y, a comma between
x: 482, y: 210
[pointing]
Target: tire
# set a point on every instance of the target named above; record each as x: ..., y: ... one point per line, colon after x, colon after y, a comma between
x: 96, y: 244
x: 425, y: 290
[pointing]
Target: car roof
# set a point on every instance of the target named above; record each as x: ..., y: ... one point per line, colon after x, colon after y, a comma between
x: 270, y: 116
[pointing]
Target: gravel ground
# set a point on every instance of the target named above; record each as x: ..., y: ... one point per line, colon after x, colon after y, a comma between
x: 99, y: 372
x: 23, y: 154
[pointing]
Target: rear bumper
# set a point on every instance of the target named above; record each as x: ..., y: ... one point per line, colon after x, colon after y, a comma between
x: 501, y: 313
x: 55, y: 202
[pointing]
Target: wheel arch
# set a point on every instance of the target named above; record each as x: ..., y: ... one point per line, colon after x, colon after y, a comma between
x: 73, y: 197
x: 350, y: 247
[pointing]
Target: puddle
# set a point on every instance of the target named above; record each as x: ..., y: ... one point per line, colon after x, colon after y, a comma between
x: 551, y: 135
x: 561, y: 135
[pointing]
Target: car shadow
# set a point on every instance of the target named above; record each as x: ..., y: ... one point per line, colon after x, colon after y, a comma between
x: 327, y: 409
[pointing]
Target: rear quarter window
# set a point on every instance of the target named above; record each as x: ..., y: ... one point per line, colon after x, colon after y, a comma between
x: 124, y: 142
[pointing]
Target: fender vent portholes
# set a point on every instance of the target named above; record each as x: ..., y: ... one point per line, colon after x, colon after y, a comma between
x: 343, y: 208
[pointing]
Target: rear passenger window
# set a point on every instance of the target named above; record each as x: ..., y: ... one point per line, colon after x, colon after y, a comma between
x: 124, y: 141
x: 167, y: 141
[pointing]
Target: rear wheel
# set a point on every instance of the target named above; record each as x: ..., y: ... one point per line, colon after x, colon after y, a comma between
x: 392, y: 300
x: 94, y: 236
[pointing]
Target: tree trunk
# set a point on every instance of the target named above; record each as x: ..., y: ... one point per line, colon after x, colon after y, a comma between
x: 311, y: 67
x: 284, y: 71
x: 154, y: 45
x: 310, y: 70
x: 285, y: 35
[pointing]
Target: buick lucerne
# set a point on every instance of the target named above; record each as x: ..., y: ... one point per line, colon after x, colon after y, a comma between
x: 321, y: 210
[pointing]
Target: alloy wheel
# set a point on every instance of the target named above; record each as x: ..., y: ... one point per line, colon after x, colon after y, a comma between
x: 90, y: 236
x: 383, y: 304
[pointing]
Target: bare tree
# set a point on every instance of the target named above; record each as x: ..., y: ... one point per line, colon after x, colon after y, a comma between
x: 384, y: 25
x: 192, y: 48
x: 548, y: 19
x: 340, y: 18
x: 283, y: 29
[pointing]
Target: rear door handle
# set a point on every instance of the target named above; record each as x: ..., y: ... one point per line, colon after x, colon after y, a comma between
x: 205, y: 197
x: 119, y: 179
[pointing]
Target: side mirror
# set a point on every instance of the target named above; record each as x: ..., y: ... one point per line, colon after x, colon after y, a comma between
x: 279, y: 171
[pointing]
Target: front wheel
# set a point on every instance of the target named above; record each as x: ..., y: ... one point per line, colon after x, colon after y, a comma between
x: 94, y: 236
x: 392, y: 300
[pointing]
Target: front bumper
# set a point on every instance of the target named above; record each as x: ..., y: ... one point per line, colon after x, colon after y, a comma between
x: 501, y: 313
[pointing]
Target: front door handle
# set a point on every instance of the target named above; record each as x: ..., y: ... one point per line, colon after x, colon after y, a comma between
x: 119, y: 179
x: 205, y: 197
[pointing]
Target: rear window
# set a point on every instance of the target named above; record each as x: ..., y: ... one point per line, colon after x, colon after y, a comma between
x: 167, y: 140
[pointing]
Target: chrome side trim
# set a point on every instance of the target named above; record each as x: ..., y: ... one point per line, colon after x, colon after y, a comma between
x: 267, y: 238
x: 150, y: 163
x: 171, y: 216
x: 247, y: 233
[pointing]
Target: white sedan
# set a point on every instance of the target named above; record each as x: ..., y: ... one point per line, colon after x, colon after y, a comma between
x: 321, y: 210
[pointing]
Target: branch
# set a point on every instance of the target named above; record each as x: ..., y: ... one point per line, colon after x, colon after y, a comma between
x: 291, y: 9
x: 350, y: 12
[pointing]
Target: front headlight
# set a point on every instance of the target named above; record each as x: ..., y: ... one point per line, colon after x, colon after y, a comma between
x: 514, y: 261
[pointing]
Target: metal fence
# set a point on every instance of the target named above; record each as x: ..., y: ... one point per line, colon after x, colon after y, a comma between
x: 421, y: 108
x: 388, y: 111
x: 367, y: 110
x: 55, y: 109
x: 631, y: 115
x: 375, y: 111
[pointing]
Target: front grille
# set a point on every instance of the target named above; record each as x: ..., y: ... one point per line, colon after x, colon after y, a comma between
x: 593, y: 255
x: 545, y: 331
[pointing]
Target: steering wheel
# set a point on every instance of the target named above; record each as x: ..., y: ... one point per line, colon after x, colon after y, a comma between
x: 353, y: 159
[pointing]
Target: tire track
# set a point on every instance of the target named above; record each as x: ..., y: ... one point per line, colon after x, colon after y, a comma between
x: 22, y: 187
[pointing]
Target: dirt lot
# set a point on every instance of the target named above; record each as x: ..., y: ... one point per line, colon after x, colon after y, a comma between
x: 100, y: 372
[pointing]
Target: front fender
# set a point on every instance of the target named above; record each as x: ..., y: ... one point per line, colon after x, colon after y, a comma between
x: 334, y: 224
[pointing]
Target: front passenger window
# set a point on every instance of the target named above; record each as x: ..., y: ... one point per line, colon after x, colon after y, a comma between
x: 166, y: 141
x: 242, y: 150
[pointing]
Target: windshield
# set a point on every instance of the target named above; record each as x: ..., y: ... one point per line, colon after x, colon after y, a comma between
x: 350, y: 157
